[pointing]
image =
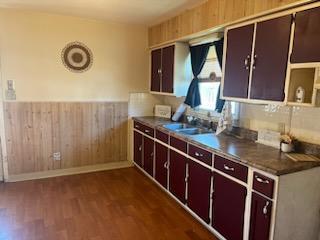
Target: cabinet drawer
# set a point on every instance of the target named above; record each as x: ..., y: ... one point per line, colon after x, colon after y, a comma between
x: 178, y: 144
x: 200, y: 154
x: 163, y: 137
x: 143, y: 128
x: 148, y: 130
x: 263, y: 184
x: 231, y: 168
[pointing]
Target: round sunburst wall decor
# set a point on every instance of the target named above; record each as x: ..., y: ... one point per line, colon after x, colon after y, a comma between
x: 77, y: 57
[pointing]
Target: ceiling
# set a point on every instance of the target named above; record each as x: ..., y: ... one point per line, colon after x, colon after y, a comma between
x: 146, y: 12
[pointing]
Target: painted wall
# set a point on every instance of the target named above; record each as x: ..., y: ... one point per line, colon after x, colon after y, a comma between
x: 30, y: 51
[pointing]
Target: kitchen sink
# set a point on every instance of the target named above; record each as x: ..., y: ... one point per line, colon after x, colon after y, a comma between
x: 177, y: 126
x: 193, y: 131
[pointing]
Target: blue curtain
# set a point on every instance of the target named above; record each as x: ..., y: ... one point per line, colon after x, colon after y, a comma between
x: 219, y: 50
x: 198, y: 58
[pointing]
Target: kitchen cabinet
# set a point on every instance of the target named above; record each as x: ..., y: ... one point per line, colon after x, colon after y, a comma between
x: 156, y: 58
x: 138, y: 149
x: 161, y: 164
x: 238, y: 58
x: 306, y: 37
x: 257, y: 59
x: 148, y: 155
x: 199, y: 186
x: 177, y: 175
x: 228, y: 207
x: 171, y: 70
x: 270, y: 59
x: 260, y: 217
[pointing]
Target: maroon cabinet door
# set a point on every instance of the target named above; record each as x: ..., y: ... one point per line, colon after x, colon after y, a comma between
x: 199, y: 185
x: 167, y: 69
x: 260, y: 218
x: 177, y: 175
x: 237, y: 67
x: 148, y: 153
x: 156, y: 56
x: 271, y: 59
x: 306, y: 37
x: 228, y: 207
x: 161, y: 162
x: 137, y: 142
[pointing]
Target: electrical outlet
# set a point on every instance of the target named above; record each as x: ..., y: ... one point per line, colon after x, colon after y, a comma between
x: 57, y: 156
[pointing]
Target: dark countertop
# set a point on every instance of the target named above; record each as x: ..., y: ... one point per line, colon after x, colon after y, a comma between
x: 260, y: 156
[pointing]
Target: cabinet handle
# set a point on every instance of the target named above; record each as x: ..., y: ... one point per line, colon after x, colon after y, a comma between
x: 260, y: 180
x: 136, y: 126
x: 265, y: 208
x: 198, y: 154
x: 228, y: 168
x: 140, y: 148
x: 247, y: 62
x: 159, y: 71
x: 166, y: 165
x: 255, y: 57
x: 147, y: 131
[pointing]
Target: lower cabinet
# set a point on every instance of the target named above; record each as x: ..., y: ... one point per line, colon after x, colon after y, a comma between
x: 199, y: 186
x: 228, y: 207
x: 137, y: 155
x: 148, y: 155
x: 260, y: 217
x: 177, y: 175
x: 161, y: 164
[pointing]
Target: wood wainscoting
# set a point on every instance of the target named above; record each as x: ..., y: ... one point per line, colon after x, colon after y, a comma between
x: 85, y: 133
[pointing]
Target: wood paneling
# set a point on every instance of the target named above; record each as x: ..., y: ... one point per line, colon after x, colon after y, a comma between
x: 85, y: 134
x: 211, y: 14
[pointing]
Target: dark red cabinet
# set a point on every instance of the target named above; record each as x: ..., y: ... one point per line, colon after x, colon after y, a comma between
x: 228, y: 207
x: 271, y: 59
x: 260, y: 218
x: 156, y: 56
x: 199, y: 186
x: 161, y: 164
x: 237, y: 66
x: 138, y: 148
x: 148, y: 155
x: 167, y: 69
x: 162, y: 69
x: 306, y: 37
x: 177, y: 175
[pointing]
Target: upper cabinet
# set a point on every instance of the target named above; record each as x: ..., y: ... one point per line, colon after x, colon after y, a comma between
x: 256, y: 60
x: 171, y: 70
x: 274, y: 59
x: 237, y: 65
x: 306, y: 37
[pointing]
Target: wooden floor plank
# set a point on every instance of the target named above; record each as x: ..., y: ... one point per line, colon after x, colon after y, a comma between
x: 113, y: 205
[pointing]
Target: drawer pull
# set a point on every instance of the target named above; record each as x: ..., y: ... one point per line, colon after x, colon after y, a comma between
x: 137, y: 126
x: 228, y: 168
x: 265, y: 208
x: 260, y: 180
x: 198, y: 154
x: 140, y: 148
x: 147, y: 131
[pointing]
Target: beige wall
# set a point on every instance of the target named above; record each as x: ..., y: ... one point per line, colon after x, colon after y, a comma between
x: 30, y: 51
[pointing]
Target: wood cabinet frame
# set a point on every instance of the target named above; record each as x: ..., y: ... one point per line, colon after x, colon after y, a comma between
x: 289, y: 65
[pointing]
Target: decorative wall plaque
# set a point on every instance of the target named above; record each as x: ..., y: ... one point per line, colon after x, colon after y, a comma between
x: 77, y: 57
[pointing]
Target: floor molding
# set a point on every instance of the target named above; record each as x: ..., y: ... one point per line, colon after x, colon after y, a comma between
x: 69, y: 171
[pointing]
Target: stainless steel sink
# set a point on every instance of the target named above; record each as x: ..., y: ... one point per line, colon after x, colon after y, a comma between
x: 193, y: 131
x: 177, y: 126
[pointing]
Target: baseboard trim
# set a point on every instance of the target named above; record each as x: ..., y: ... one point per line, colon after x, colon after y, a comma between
x: 69, y: 171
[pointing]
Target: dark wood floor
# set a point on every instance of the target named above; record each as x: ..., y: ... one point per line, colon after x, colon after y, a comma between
x: 112, y: 205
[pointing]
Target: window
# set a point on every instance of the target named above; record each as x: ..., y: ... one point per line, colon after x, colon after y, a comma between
x: 210, y: 78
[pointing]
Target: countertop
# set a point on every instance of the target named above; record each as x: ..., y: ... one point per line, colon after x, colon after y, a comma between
x: 256, y: 155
